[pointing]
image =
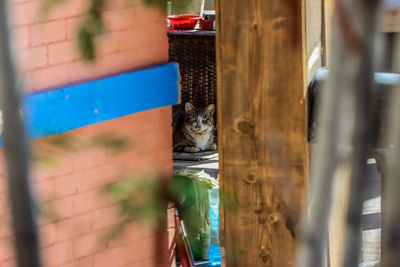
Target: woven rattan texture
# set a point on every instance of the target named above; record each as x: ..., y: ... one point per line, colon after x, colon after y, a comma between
x: 195, y: 54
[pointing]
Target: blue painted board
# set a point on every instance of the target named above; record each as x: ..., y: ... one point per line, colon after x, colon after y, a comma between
x: 56, y: 111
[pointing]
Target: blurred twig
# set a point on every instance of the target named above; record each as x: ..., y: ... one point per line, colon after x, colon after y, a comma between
x: 391, y: 184
x: 344, y: 132
x: 16, y: 151
x: 363, y: 128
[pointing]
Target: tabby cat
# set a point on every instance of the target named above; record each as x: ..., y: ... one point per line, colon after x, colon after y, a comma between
x: 194, y: 129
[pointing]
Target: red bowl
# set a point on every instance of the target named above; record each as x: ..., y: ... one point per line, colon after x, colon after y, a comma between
x: 183, y: 22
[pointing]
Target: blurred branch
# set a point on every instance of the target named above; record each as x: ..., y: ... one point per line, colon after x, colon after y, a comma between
x: 367, y: 17
x: 343, y: 120
x: 391, y: 184
x: 16, y: 151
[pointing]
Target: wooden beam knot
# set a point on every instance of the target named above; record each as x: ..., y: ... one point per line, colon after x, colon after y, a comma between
x: 250, y: 178
x: 265, y: 256
x: 273, y: 218
x: 244, y: 126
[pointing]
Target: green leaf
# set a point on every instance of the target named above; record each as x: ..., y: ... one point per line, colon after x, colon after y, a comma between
x: 86, y: 43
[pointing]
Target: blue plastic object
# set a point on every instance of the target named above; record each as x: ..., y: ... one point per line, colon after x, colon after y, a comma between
x: 214, y: 252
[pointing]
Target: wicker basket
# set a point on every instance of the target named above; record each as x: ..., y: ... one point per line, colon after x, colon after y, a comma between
x: 194, y: 51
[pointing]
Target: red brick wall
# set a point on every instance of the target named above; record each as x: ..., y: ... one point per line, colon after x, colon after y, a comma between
x: 47, y: 47
x: 71, y: 186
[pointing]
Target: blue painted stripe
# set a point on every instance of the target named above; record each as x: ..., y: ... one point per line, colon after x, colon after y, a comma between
x: 70, y: 107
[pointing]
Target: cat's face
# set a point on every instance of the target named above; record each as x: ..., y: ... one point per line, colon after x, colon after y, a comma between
x: 199, y: 120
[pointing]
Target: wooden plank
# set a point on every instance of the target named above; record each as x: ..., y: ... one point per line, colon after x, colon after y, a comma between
x: 59, y: 110
x: 313, y: 34
x: 329, y: 7
x: 337, y: 223
x: 262, y: 128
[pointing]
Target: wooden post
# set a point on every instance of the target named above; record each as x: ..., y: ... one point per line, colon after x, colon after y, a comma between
x: 261, y: 128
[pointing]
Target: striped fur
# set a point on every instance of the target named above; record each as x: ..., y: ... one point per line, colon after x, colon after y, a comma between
x: 194, y: 129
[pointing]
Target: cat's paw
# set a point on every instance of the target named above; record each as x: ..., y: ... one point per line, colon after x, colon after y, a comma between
x: 191, y: 149
x: 211, y: 147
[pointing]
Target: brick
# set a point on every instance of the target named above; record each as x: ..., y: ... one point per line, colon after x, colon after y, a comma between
x: 141, y: 122
x: 55, y: 31
x: 88, y: 244
x: 119, y: 61
x: 110, y: 257
x: 82, y: 70
x: 171, y: 240
x: 153, y: 55
x: 13, y: 2
x: 7, y: 249
x: 153, y: 34
x: 147, y: 15
x: 21, y: 37
x: 45, y: 189
x: 49, y: 77
x: 67, y: 185
x: 170, y: 218
x: 58, y: 253
x: 74, y: 183
x: 47, y: 235
x: 121, y: 18
x: 133, y: 232
x: 6, y: 227
x: 87, y: 158
x: 2, y: 164
x: 61, y: 208
x: 145, y: 263
x: 73, y: 25
x: 26, y: 13
x: 104, y: 175
x: 153, y: 141
x: 84, y: 262
x: 32, y: 58
x: 73, y: 227
x: 9, y: 263
x: 3, y: 183
x: 4, y: 204
x: 48, y: 32
x: 37, y: 34
x: 104, y: 218
x: 68, y: 9
x: 63, y: 52
x: 61, y: 166
x: 88, y: 201
x: 144, y: 248
x: 115, y: 4
x: 107, y: 43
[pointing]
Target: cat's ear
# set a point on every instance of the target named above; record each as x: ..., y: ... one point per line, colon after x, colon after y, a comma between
x: 188, y: 107
x: 210, y: 109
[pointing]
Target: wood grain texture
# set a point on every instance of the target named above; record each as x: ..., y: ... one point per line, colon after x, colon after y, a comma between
x: 329, y: 7
x: 313, y: 35
x: 262, y: 128
x: 337, y: 223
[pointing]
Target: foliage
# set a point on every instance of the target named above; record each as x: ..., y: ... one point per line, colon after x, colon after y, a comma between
x: 144, y: 199
x: 192, y: 187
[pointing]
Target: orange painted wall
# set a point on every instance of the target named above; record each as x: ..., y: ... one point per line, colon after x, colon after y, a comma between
x: 71, y: 186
